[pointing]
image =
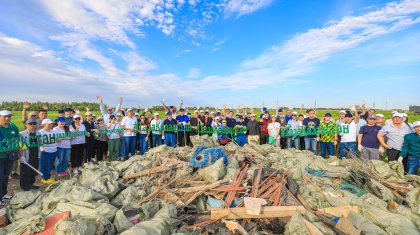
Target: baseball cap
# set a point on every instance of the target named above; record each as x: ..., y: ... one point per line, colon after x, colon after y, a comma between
x: 100, y: 118
x: 218, y: 113
x: 61, y: 111
x: 416, y: 123
x: 282, y: 116
x: 5, y: 113
x: 29, y: 121
x: 93, y: 115
x: 46, y: 121
x: 217, y: 118
x: 372, y: 117
x: 253, y: 115
x: 60, y: 119
x: 171, y: 107
x: 264, y: 108
x: 343, y: 111
x: 394, y: 112
x: 129, y: 110
x: 156, y: 114
x: 110, y: 108
x: 206, y: 112
x: 294, y: 113
x: 136, y: 114
x: 76, y: 116
x: 404, y: 114
x: 280, y: 110
x: 182, y: 110
x: 397, y: 115
x: 168, y: 114
x: 379, y: 115
x: 34, y: 113
x: 240, y: 117
x: 201, y: 111
x: 118, y: 114
x: 68, y: 109
x: 211, y: 112
x: 327, y: 115
x: 112, y: 116
x: 348, y: 115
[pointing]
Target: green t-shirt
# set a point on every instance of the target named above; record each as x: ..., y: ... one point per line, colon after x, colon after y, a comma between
x: 328, y: 127
x: 9, y: 137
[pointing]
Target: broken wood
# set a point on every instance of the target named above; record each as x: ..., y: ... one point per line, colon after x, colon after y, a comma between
x: 340, y: 211
x: 345, y: 226
x: 266, y: 212
x: 235, y: 226
x: 151, y: 171
x: 253, y: 205
x: 313, y: 230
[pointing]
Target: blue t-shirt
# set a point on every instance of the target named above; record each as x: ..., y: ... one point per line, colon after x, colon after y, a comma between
x: 288, y: 118
x: 180, y: 119
x: 230, y: 122
x: 369, y: 139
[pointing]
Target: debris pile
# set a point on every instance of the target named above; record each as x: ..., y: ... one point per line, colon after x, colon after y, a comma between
x: 225, y: 190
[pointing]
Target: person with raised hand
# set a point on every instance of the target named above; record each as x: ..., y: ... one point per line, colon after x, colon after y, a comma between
x: 110, y: 110
x: 129, y: 125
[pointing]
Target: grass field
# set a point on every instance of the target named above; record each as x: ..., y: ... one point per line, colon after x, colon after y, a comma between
x: 17, y: 115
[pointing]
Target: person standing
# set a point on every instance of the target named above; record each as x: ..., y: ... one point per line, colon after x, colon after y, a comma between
x: 283, y: 126
x: 77, y: 144
x: 8, y: 131
x: 348, y: 142
x: 368, y: 143
x: 301, y: 117
x: 329, y: 140
x: 207, y: 121
x: 143, y: 135
x: 101, y: 138
x: 394, y: 133
x: 29, y: 155
x: 128, y: 124
x: 274, y: 132
x: 109, y: 111
x: 288, y: 116
x: 294, y: 125
x: 169, y: 128
x: 253, y: 130
x: 311, y: 124
x: 411, y: 150
x: 48, y: 152
x: 183, y: 136
x: 90, y: 137
x: 264, y: 121
x: 195, y: 121
x: 156, y: 126
x: 223, y: 132
x: 63, y: 147
x: 113, y: 138
x: 240, y: 130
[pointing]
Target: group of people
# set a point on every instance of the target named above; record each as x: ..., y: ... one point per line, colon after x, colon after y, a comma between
x: 367, y: 133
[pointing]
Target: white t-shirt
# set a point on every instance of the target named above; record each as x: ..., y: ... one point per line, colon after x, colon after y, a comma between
x: 114, y: 135
x: 78, y: 139
x: 155, y: 125
x: 49, y: 148
x: 273, y: 128
x: 294, y: 124
x: 128, y: 122
x: 65, y: 144
x: 352, y: 135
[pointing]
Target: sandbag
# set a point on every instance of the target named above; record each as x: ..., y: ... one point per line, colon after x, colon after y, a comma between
x: 296, y: 226
x: 100, y: 180
x: 413, y: 199
x: 79, y: 208
x: 29, y: 225
x: 82, y: 226
x: 128, y: 195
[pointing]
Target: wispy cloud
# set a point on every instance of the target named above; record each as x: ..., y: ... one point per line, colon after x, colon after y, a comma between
x: 244, y: 7
x: 193, y: 73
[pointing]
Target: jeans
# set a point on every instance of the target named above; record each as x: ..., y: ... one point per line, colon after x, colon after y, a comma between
x: 170, y: 139
x: 122, y: 146
x: 348, y: 147
x: 142, y: 143
x: 113, y: 149
x: 63, y: 159
x: 5, y: 170
x: 327, y: 146
x: 156, y: 140
x: 412, y: 165
x: 293, y: 143
x: 311, y: 141
x: 46, y: 163
x: 241, y: 140
x: 130, y: 145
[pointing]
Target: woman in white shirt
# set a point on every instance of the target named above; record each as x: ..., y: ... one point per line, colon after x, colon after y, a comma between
x: 113, y: 139
x: 77, y: 144
x: 48, y: 151
x: 274, y: 131
x: 63, y: 146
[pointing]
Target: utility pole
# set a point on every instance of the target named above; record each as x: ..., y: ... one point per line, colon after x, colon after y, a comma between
x: 386, y: 105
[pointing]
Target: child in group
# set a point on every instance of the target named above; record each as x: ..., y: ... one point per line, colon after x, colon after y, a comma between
x: 63, y: 146
x: 48, y: 151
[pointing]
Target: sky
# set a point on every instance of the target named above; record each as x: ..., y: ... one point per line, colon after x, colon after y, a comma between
x: 328, y: 53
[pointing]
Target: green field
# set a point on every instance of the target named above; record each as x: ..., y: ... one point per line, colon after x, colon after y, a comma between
x: 17, y: 115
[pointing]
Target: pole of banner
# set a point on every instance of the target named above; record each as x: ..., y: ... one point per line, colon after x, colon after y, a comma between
x: 30, y: 166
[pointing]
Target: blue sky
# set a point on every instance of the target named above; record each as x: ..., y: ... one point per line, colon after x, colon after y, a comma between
x: 233, y: 52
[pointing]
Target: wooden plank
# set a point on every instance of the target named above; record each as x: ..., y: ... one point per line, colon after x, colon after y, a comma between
x: 235, y: 226
x: 266, y: 212
x: 340, y: 211
x: 313, y: 230
x: 345, y: 226
x: 253, y: 205
x: 151, y: 171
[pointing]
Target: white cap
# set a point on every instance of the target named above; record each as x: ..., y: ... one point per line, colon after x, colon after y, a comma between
x: 46, y: 121
x: 380, y: 115
x: 217, y: 118
x: 76, y: 116
x: 342, y: 111
x: 253, y: 115
x: 394, y: 112
x: 156, y: 114
x: 201, y: 111
x: 211, y: 112
x: 136, y: 114
x: 397, y: 114
x: 404, y: 114
x: 416, y: 123
x: 5, y: 113
x: 128, y: 110
x: 294, y: 113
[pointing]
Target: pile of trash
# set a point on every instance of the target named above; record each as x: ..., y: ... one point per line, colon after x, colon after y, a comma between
x: 255, y: 189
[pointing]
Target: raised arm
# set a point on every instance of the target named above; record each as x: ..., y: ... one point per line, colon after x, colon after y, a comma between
x: 180, y: 105
x: 356, y: 115
x: 117, y: 109
x: 164, y: 106
x: 101, y: 105
x: 26, y: 106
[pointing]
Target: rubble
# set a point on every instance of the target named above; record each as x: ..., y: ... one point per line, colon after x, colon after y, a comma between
x: 244, y: 190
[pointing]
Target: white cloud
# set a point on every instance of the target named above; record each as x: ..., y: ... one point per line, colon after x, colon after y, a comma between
x: 194, y: 73
x: 244, y: 7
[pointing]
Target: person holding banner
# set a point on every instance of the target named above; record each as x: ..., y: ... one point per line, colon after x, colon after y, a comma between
x: 63, y: 146
x: 113, y: 139
x: 169, y: 128
x: 48, y: 151
x: 29, y: 154
x: 77, y: 144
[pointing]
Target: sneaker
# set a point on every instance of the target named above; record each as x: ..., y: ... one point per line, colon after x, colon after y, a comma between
x: 48, y: 181
x: 80, y: 169
x: 6, y: 197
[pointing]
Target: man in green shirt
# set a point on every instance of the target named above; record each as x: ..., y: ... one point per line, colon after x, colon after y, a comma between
x: 9, y: 146
x: 411, y: 149
x: 328, y: 138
